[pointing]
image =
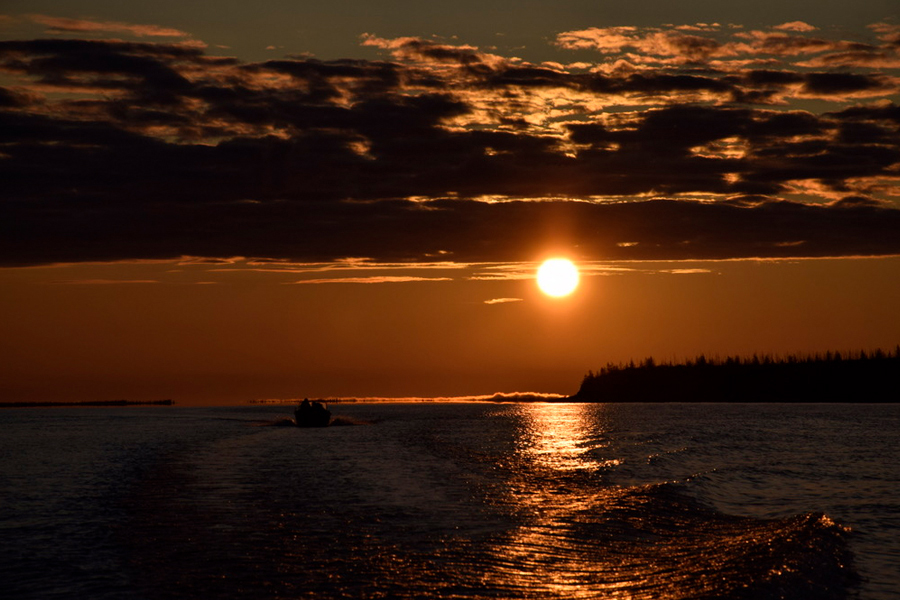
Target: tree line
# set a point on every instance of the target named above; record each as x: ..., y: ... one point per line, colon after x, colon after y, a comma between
x: 821, y: 377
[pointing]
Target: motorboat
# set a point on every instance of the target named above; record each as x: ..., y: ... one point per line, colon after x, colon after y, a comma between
x: 312, y: 414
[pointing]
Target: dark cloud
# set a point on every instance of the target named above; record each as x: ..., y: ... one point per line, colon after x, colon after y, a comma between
x: 841, y: 83
x: 857, y: 202
x: 465, y: 231
x: 117, y: 150
x: 12, y: 99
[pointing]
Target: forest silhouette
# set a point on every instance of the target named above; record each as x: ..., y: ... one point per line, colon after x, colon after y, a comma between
x: 829, y: 377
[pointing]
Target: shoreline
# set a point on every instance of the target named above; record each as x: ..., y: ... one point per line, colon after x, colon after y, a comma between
x: 88, y: 403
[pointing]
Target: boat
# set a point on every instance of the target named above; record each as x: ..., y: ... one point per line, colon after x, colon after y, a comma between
x: 312, y: 414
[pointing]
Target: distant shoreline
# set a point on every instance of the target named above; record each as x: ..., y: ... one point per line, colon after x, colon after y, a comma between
x: 87, y: 403
x: 833, y: 377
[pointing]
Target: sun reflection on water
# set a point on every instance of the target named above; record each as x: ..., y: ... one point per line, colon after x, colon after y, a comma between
x: 561, y: 446
x: 580, y: 536
x: 561, y: 436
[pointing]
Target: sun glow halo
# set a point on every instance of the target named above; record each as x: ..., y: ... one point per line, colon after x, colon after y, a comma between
x: 557, y: 277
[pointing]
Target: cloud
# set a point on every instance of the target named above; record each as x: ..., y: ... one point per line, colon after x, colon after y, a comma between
x: 795, y: 26
x: 888, y: 32
x: 115, y: 150
x: 106, y: 281
x: 67, y: 25
x: 375, y: 279
x: 786, y: 45
x: 688, y: 271
x: 502, y: 300
x: 606, y: 39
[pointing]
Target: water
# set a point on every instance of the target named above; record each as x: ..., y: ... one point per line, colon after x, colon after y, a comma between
x: 533, y: 501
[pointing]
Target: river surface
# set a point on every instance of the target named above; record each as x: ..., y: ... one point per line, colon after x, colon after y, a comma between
x: 453, y: 500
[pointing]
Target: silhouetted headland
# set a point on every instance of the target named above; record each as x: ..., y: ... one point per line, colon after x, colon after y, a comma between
x: 166, y: 402
x: 832, y: 377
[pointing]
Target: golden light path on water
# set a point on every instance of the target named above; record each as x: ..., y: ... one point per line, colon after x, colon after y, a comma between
x: 582, y: 537
x: 540, y: 558
x: 558, y: 435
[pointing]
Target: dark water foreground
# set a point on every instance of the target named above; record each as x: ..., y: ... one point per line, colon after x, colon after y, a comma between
x: 453, y: 501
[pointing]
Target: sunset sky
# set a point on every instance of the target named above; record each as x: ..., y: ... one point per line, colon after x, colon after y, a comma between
x: 221, y: 202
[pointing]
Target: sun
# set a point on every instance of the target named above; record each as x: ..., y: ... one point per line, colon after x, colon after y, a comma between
x: 557, y: 277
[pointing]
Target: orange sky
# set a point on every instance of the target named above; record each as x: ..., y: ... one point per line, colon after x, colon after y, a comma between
x: 228, y: 333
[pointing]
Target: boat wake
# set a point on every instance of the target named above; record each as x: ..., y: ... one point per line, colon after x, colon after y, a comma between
x: 647, y: 543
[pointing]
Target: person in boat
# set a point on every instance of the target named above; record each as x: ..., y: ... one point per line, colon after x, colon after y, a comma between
x: 312, y: 414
